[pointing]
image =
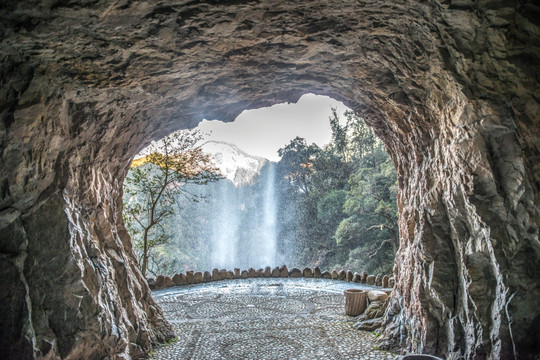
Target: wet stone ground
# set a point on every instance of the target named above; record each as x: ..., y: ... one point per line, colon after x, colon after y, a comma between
x: 264, y: 319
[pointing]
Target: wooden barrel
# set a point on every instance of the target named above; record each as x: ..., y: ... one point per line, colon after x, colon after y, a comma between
x: 355, y: 301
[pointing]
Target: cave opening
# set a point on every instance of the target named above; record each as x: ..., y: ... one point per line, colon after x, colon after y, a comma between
x: 306, y: 184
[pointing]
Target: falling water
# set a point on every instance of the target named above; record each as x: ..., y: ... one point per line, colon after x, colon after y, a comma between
x: 244, y: 224
x: 225, y: 228
x: 267, y: 242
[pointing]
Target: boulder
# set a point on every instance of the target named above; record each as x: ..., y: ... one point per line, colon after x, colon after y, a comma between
x: 267, y: 272
x: 370, y: 280
x: 276, y: 272
x: 236, y: 273
x: 349, y: 276
x: 368, y: 324
x: 334, y: 275
x: 223, y: 274
x: 363, y: 277
x: 378, y: 280
x: 215, y: 275
x: 317, y: 272
x: 189, y: 277
x: 326, y: 275
x: 284, y: 272
x: 295, y: 273
x: 207, y: 276
x: 342, y: 275
x: 376, y: 295
x: 179, y: 279
x: 385, y: 280
x: 160, y: 282
x: 244, y: 274
x: 168, y: 282
x: 356, y: 277
x: 375, y: 309
x: 197, y: 277
x: 308, y: 273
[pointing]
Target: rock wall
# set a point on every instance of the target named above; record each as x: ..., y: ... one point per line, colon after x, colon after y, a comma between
x: 451, y: 87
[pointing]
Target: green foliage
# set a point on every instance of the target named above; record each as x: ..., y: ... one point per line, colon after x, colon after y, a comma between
x: 343, y: 198
x: 330, y: 207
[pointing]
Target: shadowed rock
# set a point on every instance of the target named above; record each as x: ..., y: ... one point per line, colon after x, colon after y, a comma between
x: 295, y: 273
x: 197, y: 277
x: 179, y: 279
x: 160, y: 282
x: 326, y: 275
x: 363, y: 277
x: 284, y: 272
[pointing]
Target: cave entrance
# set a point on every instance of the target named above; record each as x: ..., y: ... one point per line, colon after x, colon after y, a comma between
x: 305, y: 184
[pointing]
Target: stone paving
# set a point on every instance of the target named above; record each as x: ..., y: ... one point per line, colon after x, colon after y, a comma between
x: 264, y: 319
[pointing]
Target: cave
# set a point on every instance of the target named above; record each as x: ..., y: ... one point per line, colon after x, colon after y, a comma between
x: 451, y: 87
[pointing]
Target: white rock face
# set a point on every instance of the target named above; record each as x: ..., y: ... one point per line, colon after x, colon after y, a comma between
x: 235, y: 164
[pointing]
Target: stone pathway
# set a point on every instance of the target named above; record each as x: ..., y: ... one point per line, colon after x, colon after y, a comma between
x: 264, y: 319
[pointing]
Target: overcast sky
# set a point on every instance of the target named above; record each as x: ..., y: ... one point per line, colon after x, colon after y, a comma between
x: 262, y: 132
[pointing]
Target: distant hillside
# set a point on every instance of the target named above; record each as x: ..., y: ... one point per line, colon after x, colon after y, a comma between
x: 235, y: 164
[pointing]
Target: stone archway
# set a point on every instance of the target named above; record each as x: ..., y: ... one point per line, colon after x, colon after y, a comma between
x: 451, y: 88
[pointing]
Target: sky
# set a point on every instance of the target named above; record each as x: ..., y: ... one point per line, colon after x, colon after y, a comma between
x: 261, y: 132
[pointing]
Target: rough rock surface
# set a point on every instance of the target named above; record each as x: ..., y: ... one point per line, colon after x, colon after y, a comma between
x: 369, y: 324
x: 295, y: 273
x: 376, y: 295
x: 451, y: 87
x: 326, y: 275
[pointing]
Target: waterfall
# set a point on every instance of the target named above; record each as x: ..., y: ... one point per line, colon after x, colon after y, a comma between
x: 267, y: 242
x: 225, y: 225
x: 243, y: 218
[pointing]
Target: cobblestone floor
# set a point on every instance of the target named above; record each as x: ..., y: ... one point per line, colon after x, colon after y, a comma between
x: 264, y: 319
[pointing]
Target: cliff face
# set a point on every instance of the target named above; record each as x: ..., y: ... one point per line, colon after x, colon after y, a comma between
x: 451, y: 87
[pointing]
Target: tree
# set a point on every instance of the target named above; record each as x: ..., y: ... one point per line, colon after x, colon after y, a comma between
x: 339, y: 202
x: 370, y: 231
x: 153, y: 184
